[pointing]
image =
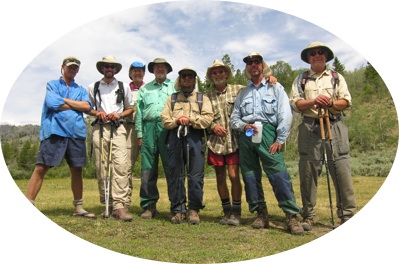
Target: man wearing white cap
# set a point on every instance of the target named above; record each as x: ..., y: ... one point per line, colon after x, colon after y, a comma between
x: 319, y: 92
x: 112, y: 103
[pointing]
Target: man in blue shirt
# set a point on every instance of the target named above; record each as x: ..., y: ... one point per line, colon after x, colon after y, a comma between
x: 268, y: 104
x: 63, y: 133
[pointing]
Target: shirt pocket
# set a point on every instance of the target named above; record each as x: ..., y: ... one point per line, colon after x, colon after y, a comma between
x: 247, y: 106
x: 230, y: 106
x: 269, y: 104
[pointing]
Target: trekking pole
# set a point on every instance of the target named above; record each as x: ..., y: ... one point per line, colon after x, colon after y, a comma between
x: 323, y: 138
x: 181, y: 134
x: 107, y: 178
x: 330, y: 137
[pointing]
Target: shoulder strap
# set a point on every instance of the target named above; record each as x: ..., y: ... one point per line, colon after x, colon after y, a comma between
x: 335, y: 79
x: 199, y: 100
x: 121, y: 93
x: 96, y: 91
x: 304, y: 79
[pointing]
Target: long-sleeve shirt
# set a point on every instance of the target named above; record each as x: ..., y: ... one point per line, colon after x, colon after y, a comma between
x: 64, y: 123
x: 319, y: 84
x: 190, y: 108
x: 151, y: 101
x: 222, y: 106
x: 267, y: 104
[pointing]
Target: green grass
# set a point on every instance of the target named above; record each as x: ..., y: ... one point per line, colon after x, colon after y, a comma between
x: 209, y: 242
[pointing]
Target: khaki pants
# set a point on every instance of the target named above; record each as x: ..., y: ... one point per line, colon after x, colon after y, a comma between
x: 119, y: 189
x: 132, y: 154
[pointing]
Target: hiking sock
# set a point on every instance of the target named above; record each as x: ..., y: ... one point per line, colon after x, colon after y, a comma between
x: 78, y: 206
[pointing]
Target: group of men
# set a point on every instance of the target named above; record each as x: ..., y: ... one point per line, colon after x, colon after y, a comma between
x: 173, y: 121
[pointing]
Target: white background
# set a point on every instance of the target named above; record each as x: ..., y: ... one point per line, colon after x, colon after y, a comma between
x: 28, y: 27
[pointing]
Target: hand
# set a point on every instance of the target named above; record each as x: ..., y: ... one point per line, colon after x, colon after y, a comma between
x: 271, y: 80
x: 139, y: 142
x: 183, y: 120
x: 322, y: 101
x: 220, y: 131
x: 249, y: 126
x: 275, y: 147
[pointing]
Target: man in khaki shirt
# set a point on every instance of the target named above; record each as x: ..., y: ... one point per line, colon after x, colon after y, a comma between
x: 186, y: 119
x: 318, y: 92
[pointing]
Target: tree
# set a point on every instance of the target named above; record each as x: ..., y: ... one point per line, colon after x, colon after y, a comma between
x: 23, y: 158
x: 284, y: 74
x: 338, y: 66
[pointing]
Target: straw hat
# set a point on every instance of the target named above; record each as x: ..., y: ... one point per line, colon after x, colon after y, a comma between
x: 177, y: 82
x: 108, y: 60
x: 218, y: 63
x: 313, y: 45
x: 266, y: 70
x: 159, y: 60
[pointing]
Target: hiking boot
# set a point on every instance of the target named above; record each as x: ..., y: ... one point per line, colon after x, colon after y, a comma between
x: 226, y: 211
x: 193, y: 217
x: 307, y: 224
x: 122, y: 214
x: 177, y: 218
x: 262, y: 221
x: 150, y: 212
x: 235, y: 216
x: 343, y: 220
x: 293, y: 224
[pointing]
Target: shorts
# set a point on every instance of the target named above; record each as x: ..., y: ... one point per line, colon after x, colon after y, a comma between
x: 54, y: 149
x: 221, y: 160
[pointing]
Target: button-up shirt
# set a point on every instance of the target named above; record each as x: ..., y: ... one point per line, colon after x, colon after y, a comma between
x: 266, y: 103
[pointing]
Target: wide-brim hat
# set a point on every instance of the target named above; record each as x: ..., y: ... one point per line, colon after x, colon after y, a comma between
x: 217, y: 63
x: 267, y: 72
x: 108, y: 60
x: 71, y: 60
x: 313, y: 45
x: 177, y: 82
x: 138, y: 65
x: 159, y: 60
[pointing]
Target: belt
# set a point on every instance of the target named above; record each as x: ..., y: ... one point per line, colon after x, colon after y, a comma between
x: 333, y: 119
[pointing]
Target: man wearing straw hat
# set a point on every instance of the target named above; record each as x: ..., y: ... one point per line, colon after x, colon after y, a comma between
x: 319, y: 92
x: 112, y: 103
x: 151, y: 135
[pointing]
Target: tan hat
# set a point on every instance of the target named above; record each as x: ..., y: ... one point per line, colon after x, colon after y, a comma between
x: 218, y: 63
x: 159, y: 60
x: 313, y: 45
x: 71, y: 60
x: 266, y: 70
x: 177, y: 82
x: 108, y: 60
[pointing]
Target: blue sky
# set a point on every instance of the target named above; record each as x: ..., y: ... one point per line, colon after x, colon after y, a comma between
x: 36, y: 39
x: 186, y: 33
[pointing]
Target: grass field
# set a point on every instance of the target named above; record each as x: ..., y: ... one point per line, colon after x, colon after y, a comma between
x: 209, y: 242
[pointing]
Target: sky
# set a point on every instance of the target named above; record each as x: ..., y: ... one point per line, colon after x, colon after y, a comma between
x: 37, y: 35
x: 185, y: 33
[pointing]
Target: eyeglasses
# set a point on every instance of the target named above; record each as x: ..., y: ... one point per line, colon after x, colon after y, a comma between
x: 250, y: 62
x: 320, y: 52
x: 218, y: 71
x: 112, y: 66
x: 189, y: 75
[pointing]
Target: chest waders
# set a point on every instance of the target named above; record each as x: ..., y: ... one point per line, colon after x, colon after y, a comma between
x: 323, y: 138
x: 182, y: 135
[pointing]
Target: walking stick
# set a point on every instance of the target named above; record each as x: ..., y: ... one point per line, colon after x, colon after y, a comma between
x: 107, y: 178
x: 323, y: 138
x: 330, y: 137
x: 181, y: 134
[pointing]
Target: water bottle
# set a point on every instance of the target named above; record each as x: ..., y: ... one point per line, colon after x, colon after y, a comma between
x: 257, y: 138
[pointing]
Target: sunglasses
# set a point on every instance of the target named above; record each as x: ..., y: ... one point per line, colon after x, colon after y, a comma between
x: 109, y: 66
x: 219, y: 71
x: 250, y: 62
x: 320, y: 52
x: 189, y: 75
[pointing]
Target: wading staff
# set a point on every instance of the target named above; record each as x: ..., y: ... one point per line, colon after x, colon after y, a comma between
x: 181, y: 135
x: 107, y: 178
x: 330, y: 137
x: 323, y: 139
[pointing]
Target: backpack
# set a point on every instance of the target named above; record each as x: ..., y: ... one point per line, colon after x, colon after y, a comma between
x: 304, y: 76
x: 198, y: 101
x: 120, y: 98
